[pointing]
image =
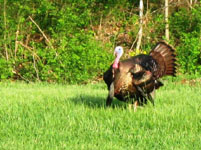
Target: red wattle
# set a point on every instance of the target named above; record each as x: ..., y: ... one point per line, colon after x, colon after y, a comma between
x: 116, y: 63
x: 115, y: 66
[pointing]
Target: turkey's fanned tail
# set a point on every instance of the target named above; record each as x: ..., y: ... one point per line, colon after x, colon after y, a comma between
x: 165, y: 56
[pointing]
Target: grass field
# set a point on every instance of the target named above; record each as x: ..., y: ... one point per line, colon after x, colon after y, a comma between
x: 52, y: 116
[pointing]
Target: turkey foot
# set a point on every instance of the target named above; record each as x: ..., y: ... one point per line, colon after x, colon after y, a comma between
x: 133, y: 106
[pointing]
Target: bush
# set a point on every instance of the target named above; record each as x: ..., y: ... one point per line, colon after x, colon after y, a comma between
x: 5, y: 69
x: 185, y: 27
x: 74, y: 56
x: 189, y: 54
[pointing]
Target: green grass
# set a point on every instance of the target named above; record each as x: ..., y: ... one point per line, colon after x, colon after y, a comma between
x: 47, y: 116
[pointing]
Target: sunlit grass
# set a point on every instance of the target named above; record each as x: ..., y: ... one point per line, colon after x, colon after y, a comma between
x: 47, y: 116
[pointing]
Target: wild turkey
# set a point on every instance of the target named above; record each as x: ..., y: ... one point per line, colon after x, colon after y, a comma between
x: 137, y: 77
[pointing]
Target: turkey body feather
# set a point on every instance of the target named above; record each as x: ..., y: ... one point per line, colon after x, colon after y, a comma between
x: 137, y: 77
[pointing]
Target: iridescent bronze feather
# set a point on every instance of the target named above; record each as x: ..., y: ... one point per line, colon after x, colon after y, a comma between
x: 135, y: 78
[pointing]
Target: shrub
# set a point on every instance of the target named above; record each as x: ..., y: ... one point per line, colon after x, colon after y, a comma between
x: 5, y: 69
x: 185, y: 29
x: 75, y: 56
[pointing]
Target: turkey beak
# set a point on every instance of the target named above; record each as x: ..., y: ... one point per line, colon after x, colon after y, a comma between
x: 115, y: 54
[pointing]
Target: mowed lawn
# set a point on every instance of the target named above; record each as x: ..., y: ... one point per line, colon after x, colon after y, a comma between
x: 74, y: 117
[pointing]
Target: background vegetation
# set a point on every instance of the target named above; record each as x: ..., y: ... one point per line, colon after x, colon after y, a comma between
x: 67, y: 41
x: 72, y: 41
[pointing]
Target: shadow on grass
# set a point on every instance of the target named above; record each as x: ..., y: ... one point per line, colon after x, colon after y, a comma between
x: 96, y: 102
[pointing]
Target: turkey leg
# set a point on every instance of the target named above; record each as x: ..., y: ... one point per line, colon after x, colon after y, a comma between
x: 110, y: 95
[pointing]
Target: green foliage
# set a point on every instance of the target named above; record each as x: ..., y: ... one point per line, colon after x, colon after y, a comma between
x: 81, y: 35
x: 76, y: 56
x: 5, y: 69
x: 186, y: 30
x: 190, y: 53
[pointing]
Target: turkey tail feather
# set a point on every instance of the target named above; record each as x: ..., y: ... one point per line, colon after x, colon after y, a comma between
x: 165, y: 56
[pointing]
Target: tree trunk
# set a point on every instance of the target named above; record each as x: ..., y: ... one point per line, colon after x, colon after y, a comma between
x: 5, y: 31
x: 166, y: 21
x: 141, y: 24
x: 191, y: 2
